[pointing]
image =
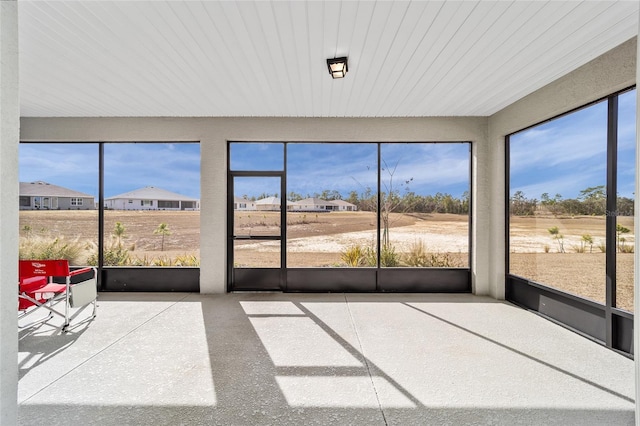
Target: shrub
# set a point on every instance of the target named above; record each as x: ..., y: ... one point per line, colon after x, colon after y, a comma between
x: 27, y: 230
x: 162, y: 261
x: 388, y: 256
x: 183, y: 260
x: 443, y: 260
x: 357, y: 255
x: 626, y: 249
x: 370, y: 256
x: 419, y: 257
x: 46, y: 249
x: 114, y: 255
x: 353, y: 255
x: 187, y: 260
x: 578, y: 249
x: 140, y: 261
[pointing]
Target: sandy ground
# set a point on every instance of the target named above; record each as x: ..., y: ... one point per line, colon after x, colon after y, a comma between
x: 318, y: 239
x: 582, y: 274
x: 440, y: 236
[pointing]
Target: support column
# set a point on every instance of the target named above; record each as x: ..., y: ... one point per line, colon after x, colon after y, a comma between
x: 213, y: 216
x: 492, y: 237
x: 9, y: 137
x: 498, y: 217
x: 481, y: 241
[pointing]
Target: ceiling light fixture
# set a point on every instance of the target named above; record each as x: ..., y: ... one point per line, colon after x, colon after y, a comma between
x: 337, y: 67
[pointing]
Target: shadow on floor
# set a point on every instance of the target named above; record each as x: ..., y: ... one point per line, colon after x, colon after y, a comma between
x: 293, y: 359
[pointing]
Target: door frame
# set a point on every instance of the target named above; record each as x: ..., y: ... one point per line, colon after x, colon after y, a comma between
x: 250, y: 279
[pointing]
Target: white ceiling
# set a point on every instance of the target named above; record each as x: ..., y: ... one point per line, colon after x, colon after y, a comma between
x: 268, y: 58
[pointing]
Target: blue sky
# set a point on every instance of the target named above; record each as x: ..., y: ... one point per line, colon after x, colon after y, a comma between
x: 128, y: 166
x: 568, y: 154
x: 562, y: 156
x: 346, y: 167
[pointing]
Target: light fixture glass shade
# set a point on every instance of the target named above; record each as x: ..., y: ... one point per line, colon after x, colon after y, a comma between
x: 337, y: 67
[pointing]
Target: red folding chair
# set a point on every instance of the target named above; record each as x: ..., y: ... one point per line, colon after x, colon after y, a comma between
x: 38, y: 291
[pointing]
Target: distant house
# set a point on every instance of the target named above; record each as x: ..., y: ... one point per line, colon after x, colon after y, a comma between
x: 320, y: 205
x: 41, y: 195
x: 151, y: 198
x: 243, y: 204
x: 344, y: 206
x: 312, y: 205
x: 268, y: 204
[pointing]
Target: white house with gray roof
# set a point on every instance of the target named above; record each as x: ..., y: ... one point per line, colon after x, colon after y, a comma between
x: 243, y: 204
x: 344, y: 206
x: 41, y: 195
x: 151, y: 198
x: 313, y: 204
x: 268, y: 204
x: 319, y: 205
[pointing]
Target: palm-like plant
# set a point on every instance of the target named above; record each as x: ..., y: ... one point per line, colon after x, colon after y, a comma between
x: 556, y: 235
x: 587, y: 239
x: 118, y: 231
x: 621, y: 240
x: 162, y: 229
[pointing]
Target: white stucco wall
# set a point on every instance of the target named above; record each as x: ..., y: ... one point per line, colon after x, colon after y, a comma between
x: 611, y: 72
x: 9, y: 133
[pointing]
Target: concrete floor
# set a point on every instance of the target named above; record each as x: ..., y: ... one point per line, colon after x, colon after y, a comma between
x: 318, y: 359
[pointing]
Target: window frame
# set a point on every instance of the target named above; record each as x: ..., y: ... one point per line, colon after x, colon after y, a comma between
x: 129, y: 278
x: 604, y: 323
x: 379, y: 279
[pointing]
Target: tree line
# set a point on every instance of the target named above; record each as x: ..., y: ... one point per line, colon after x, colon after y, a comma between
x: 393, y: 201
x: 410, y: 202
x: 591, y: 201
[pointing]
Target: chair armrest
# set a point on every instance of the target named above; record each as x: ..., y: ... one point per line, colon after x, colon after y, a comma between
x: 82, y: 271
x: 31, y: 284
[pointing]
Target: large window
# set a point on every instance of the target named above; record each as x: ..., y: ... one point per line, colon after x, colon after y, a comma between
x: 558, y: 173
x: 424, y: 205
x: 571, y: 218
x: 144, y: 223
x: 362, y: 205
x: 58, y: 195
x: 626, y: 175
x: 331, y: 205
x: 59, y: 203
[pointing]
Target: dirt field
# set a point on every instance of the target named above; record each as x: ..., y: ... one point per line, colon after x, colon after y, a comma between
x: 318, y: 239
x: 138, y: 238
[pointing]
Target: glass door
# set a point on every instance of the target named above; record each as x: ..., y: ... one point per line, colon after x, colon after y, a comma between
x: 255, y: 246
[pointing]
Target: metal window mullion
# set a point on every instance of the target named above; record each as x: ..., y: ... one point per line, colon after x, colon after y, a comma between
x: 470, y: 208
x: 283, y: 222
x: 379, y: 207
x: 611, y: 215
x: 507, y: 212
x: 230, y: 224
x: 100, y: 213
